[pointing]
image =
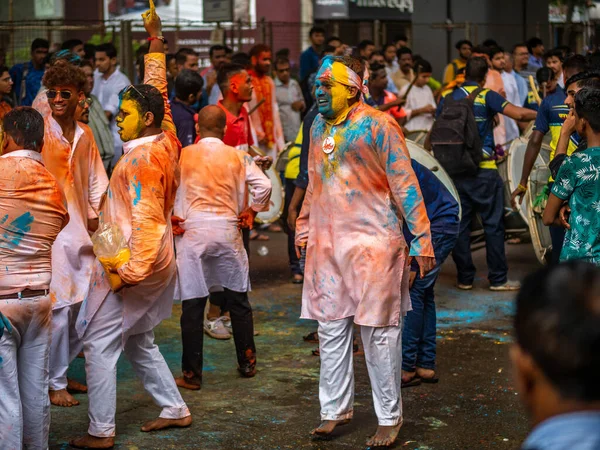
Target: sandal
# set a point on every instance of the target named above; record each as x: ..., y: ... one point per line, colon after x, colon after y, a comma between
x: 414, y: 381
x: 256, y: 236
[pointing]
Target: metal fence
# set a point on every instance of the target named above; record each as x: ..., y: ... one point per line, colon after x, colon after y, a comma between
x: 129, y: 36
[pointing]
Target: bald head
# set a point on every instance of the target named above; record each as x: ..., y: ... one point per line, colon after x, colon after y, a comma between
x: 212, y: 122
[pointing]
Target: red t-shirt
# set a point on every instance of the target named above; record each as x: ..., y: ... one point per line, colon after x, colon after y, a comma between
x: 238, y: 132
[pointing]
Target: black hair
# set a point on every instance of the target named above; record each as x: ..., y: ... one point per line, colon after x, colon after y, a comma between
x: 565, y: 50
x: 423, y: 66
x: 39, y: 43
x: 533, y: 43
x: 26, y: 127
x: 148, y: 99
x: 462, y: 42
x: 3, y: 69
x: 584, y: 79
x: 70, y: 44
x: 376, y: 67
x: 169, y: 57
x: 364, y: 44
x: 328, y: 49
x: 575, y: 62
x: 401, y: 37
x: 554, y: 53
x: 520, y: 44
x: 226, y: 72
x: 490, y: 43
x: 587, y: 106
x: 182, y: 54
x: 557, y: 323
x: 188, y: 82
x: 376, y: 53
x: 90, y: 51
x: 108, y: 48
x: 282, y: 53
x: 281, y: 60
x: 332, y: 38
x: 242, y: 59
x: 258, y: 49
x: 477, y: 69
x: 315, y: 30
x: 544, y: 75
x: 388, y: 45
x: 481, y: 49
x: 216, y: 48
x: 228, y: 50
x: 493, y: 51
x: 403, y: 51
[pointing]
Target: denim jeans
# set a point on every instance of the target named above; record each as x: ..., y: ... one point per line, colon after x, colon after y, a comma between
x: 483, y: 194
x: 418, y: 335
x: 294, y: 263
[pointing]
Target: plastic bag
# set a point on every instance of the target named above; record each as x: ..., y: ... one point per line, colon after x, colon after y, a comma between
x: 112, y: 251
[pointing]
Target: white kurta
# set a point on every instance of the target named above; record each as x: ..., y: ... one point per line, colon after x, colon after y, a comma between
x: 212, y: 194
x: 80, y: 172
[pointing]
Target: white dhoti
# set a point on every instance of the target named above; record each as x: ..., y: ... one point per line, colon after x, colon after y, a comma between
x: 383, y: 354
x: 24, y: 401
x: 102, y: 346
x: 65, y: 345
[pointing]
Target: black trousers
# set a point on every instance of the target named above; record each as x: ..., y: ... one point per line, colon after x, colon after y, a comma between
x: 192, y: 331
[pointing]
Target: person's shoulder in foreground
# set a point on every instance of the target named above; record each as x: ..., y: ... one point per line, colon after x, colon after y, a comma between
x: 555, y: 356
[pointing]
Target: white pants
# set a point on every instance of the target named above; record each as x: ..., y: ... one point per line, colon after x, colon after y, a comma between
x: 102, y: 346
x: 383, y: 353
x: 24, y: 401
x: 65, y: 345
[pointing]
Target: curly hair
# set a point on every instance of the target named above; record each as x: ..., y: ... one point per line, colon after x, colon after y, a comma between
x: 62, y: 73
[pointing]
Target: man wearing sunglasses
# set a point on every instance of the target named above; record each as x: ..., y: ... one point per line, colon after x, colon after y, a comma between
x: 139, y: 201
x: 71, y: 155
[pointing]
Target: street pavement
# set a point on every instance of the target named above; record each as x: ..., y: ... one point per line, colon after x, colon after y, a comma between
x: 474, y: 406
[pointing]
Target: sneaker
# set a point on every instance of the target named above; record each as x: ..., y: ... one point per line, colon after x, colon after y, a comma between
x: 216, y: 329
x: 464, y: 287
x: 508, y: 286
x: 227, y: 323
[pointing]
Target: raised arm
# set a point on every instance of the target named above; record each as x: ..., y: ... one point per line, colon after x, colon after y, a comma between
x: 155, y: 65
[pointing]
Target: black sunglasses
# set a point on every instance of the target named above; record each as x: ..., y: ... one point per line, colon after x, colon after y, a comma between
x: 65, y: 95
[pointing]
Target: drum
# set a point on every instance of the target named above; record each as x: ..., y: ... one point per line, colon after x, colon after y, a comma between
x: 277, y: 199
x: 425, y: 158
x: 527, y: 134
x: 283, y: 157
x: 514, y: 169
x: 277, y: 193
x: 417, y: 136
x: 536, y: 198
x: 514, y: 223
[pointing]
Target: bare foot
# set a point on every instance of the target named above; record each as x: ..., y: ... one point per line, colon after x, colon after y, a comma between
x: 183, y: 383
x: 327, y: 427
x: 89, y: 441
x: 62, y: 398
x: 425, y: 373
x: 74, y: 386
x: 385, y: 436
x: 161, y: 424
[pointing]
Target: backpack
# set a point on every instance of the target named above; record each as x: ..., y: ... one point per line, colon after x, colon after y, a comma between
x: 455, y: 137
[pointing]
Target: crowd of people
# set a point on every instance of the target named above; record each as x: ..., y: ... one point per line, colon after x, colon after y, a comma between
x: 175, y: 167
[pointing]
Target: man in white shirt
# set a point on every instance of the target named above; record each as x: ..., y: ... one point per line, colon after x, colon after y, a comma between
x: 420, y: 105
x: 108, y: 82
x: 289, y: 98
x: 512, y: 95
x: 210, y: 209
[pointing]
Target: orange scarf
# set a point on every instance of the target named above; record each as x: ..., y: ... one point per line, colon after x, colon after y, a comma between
x: 264, y: 90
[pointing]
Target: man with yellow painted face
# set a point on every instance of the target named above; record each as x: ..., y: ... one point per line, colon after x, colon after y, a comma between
x: 71, y: 155
x: 361, y: 189
x: 139, y: 201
